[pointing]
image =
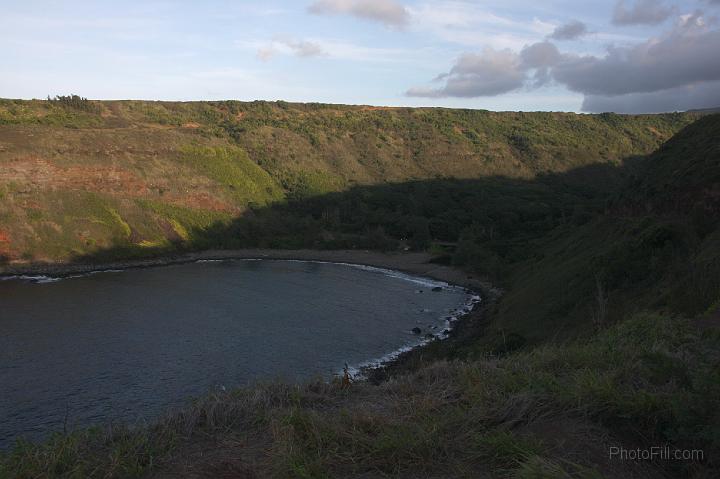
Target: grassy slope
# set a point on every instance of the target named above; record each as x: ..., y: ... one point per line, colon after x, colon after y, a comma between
x: 151, y: 171
x: 546, y: 385
x: 655, y: 246
x: 550, y: 412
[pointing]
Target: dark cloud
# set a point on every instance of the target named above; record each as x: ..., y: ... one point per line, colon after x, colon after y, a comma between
x: 540, y: 55
x: 703, y: 95
x: 678, y: 71
x: 686, y: 56
x: 494, y: 72
x: 489, y: 73
x: 643, y: 12
x: 570, y: 31
x: 389, y: 12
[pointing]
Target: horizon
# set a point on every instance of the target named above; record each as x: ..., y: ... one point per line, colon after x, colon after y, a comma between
x: 640, y: 56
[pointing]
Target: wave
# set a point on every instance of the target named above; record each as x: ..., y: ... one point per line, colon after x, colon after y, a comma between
x: 359, y: 371
x: 42, y: 279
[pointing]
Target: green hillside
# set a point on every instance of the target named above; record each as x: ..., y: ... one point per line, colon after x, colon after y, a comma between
x: 602, y: 232
x: 78, y: 177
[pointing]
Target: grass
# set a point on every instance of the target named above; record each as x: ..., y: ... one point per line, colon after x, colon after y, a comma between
x: 651, y: 379
x: 564, y: 211
x: 231, y: 168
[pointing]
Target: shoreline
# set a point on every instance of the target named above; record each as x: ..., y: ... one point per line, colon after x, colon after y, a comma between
x: 412, y: 263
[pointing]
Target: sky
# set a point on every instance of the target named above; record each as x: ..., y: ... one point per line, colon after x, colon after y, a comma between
x: 626, y: 56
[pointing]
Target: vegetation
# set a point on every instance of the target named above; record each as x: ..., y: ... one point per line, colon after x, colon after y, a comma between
x: 234, y: 157
x: 75, y: 102
x: 549, y: 412
x: 604, y: 236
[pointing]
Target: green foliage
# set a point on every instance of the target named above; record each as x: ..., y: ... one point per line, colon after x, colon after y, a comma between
x: 127, y: 453
x: 231, y: 168
x: 75, y: 102
x: 191, y: 223
x: 540, y: 203
x: 304, y: 184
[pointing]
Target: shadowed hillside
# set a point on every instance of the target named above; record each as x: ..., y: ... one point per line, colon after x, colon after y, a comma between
x: 620, y: 238
x: 606, y: 334
x: 78, y: 176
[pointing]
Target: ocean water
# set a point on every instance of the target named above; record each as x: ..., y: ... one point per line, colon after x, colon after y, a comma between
x: 131, y: 345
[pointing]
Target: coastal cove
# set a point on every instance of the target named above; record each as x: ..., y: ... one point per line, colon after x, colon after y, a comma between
x: 199, y: 324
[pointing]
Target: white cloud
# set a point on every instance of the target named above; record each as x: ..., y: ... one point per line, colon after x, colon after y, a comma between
x: 336, y: 49
x: 466, y: 23
x: 298, y: 48
x: 388, y: 12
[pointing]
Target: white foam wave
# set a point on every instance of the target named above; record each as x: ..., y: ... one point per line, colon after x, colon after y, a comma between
x: 358, y: 371
x: 39, y: 279
x: 42, y: 279
x: 423, y: 281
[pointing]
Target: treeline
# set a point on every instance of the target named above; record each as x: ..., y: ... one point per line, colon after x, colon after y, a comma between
x: 74, y: 102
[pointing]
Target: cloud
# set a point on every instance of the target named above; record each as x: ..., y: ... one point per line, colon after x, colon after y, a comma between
x: 570, y: 31
x: 493, y: 72
x: 540, y: 55
x: 685, y: 56
x: 488, y: 73
x: 644, y: 12
x: 266, y: 53
x: 388, y: 12
x: 704, y: 95
x: 469, y: 23
x: 299, y: 48
x: 679, y: 70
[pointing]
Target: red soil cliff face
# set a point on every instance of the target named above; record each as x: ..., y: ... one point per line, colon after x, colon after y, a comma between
x: 34, y: 173
x: 37, y: 172
x: 5, y: 246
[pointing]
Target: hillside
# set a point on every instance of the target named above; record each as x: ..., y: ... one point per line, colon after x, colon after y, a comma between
x: 603, y: 233
x: 78, y: 177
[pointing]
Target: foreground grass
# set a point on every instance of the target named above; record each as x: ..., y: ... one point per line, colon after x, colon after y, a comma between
x: 553, y: 411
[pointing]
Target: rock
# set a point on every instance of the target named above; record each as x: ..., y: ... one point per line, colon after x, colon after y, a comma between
x: 446, y: 332
x: 429, y: 336
x: 437, y: 289
x: 416, y: 330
